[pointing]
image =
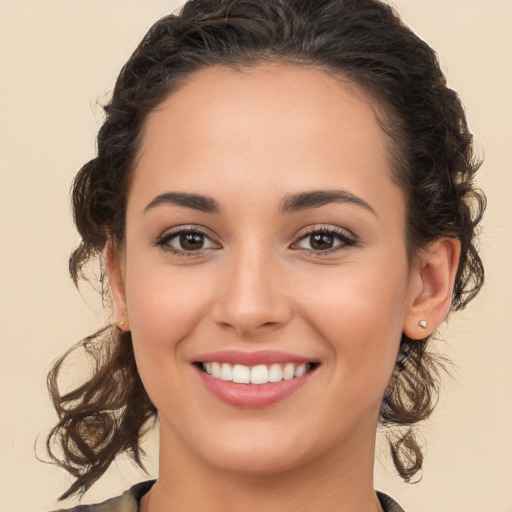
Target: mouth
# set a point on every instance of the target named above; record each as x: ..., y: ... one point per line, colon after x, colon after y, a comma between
x: 258, y: 375
x: 256, y: 379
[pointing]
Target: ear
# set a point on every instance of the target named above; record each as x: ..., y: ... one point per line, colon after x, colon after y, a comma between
x: 431, y: 286
x: 116, y: 278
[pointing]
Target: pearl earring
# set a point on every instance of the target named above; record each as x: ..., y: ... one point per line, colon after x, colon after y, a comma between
x: 423, y: 324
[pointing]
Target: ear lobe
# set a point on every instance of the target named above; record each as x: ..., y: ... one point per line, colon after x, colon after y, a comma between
x: 432, y: 279
x: 116, y: 279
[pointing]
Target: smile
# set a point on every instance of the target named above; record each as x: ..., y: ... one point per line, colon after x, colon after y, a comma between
x: 258, y: 374
x: 254, y: 379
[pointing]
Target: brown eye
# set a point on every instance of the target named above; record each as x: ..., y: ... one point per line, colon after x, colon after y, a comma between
x: 325, y: 241
x: 191, y: 241
x: 321, y: 241
x: 186, y: 242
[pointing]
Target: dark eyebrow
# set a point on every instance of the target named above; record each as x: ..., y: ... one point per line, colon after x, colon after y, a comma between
x: 316, y: 198
x: 195, y: 201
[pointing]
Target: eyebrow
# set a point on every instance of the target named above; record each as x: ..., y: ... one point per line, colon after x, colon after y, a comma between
x: 290, y: 204
x: 195, y: 201
x: 317, y: 198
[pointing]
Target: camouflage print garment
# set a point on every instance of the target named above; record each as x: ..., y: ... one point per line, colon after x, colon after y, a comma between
x: 129, y: 501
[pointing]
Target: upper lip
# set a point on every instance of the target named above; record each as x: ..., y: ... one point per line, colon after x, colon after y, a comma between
x: 251, y: 358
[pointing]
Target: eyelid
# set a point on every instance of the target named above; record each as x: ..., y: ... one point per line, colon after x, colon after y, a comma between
x: 347, y: 238
x: 169, y: 234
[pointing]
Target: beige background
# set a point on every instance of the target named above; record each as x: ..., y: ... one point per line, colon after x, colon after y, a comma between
x: 57, y: 59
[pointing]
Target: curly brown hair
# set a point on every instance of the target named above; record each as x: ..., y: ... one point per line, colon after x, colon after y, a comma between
x: 433, y: 163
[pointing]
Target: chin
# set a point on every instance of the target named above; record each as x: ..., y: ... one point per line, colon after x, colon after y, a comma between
x: 255, y: 461
x: 261, y: 449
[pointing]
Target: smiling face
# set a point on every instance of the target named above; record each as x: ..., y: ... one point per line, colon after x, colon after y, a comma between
x: 265, y: 241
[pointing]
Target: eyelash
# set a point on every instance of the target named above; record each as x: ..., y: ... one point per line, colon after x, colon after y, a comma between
x: 163, y: 240
x: 346, y: 238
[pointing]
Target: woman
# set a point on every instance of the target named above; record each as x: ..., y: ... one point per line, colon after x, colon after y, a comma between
x: 283, y: 203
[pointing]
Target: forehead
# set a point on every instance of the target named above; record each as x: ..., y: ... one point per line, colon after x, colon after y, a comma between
x: 280, y: 126
x: 301, y: 100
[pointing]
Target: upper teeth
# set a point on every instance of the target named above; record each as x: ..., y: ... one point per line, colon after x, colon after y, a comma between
x: 260, y: 374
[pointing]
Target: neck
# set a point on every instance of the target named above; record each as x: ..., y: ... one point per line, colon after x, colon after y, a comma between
x: 337, y: 481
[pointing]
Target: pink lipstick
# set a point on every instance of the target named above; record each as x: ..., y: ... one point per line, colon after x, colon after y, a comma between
x: 253, y: 379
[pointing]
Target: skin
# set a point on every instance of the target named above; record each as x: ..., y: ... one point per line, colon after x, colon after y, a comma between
x: 248, y: 140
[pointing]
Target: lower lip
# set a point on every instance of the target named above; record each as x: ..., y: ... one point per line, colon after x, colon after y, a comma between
x: 252, y: 396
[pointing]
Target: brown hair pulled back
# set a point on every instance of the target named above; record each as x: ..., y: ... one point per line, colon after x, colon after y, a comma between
x: 430, y: 144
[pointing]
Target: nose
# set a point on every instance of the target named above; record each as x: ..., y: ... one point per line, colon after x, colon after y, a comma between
x: 251, y: 298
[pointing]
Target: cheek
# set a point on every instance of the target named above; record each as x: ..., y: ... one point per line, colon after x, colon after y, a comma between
x: 164, y: 306
x: 359, y: 313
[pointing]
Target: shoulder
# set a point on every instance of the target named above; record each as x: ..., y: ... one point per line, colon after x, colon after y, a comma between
x: 388, y: 503
x: 126, y: 502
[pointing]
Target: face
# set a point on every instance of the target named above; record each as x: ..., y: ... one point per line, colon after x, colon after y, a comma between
x: 264, y: 242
